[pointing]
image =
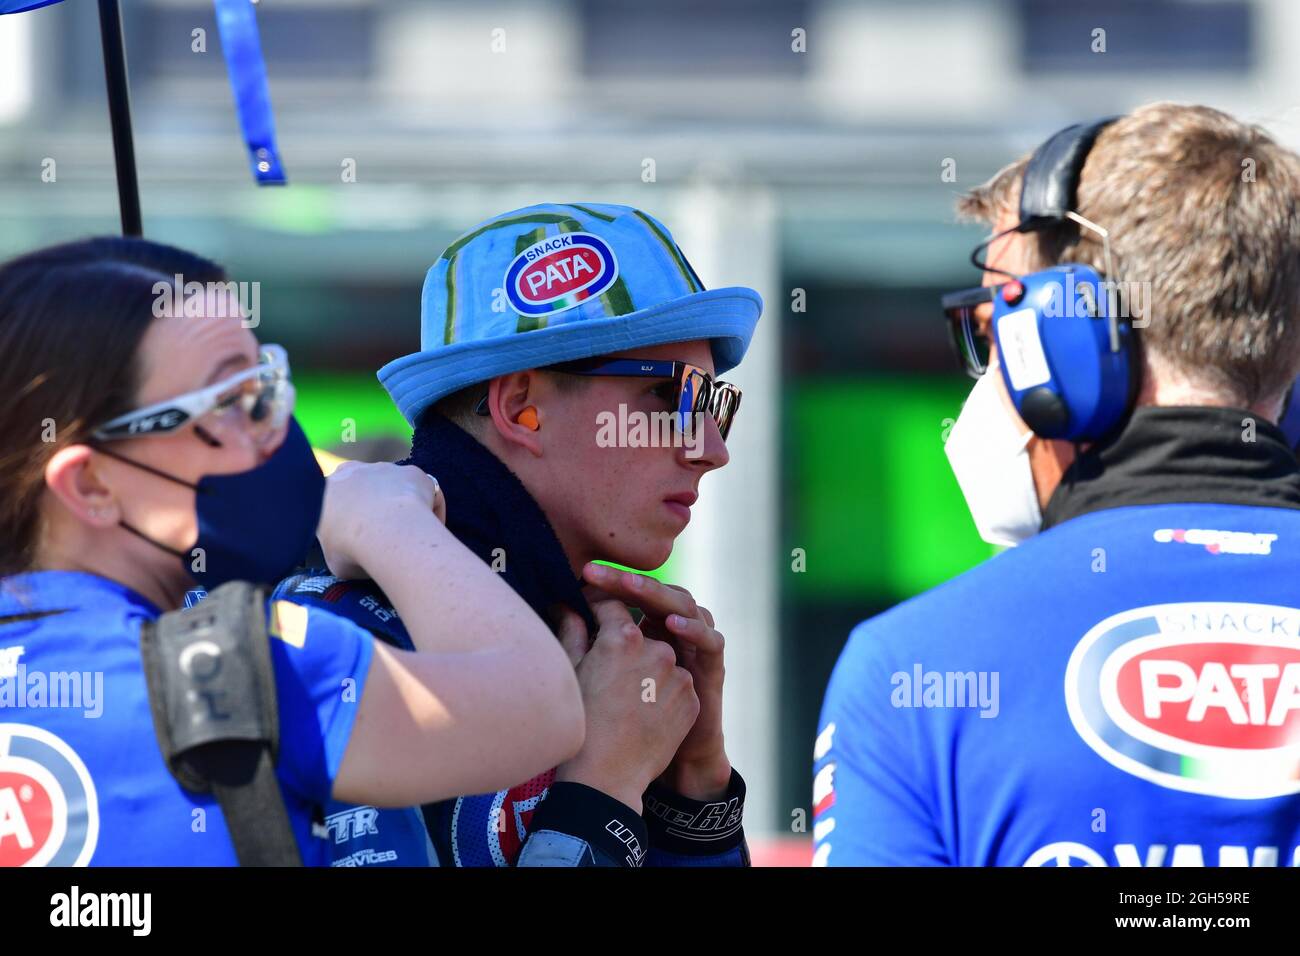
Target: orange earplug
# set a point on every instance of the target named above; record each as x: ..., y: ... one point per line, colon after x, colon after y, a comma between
x: 528, y: 418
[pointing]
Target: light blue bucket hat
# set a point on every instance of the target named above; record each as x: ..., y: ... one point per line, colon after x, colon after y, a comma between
x: 557, y: 282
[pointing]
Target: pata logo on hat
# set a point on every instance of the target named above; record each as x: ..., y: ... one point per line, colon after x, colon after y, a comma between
x: 559, y: 273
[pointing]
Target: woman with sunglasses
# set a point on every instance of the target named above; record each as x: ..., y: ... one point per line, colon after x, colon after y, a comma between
x: 143, y: 451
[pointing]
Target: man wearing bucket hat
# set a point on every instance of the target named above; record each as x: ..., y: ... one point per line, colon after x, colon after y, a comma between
x: 549, y: 336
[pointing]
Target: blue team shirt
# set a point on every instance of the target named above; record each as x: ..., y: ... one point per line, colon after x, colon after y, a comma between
x: 361, y: 835
x: 82, y: 779
x: 1120, y: 690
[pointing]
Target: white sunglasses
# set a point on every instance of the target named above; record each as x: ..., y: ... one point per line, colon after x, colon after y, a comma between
x: 264, y: 392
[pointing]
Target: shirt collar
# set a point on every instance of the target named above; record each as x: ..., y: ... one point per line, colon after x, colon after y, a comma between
x: 53, y: 591
x: 1181, y: 454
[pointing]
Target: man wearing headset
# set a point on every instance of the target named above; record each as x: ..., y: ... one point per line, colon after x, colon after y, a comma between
x: 1122, y: 688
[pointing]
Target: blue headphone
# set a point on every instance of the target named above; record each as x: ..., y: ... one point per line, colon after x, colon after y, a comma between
x: 1067, y: 361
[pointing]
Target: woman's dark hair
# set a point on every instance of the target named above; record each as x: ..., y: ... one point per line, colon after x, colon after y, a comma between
x: 71, y: 321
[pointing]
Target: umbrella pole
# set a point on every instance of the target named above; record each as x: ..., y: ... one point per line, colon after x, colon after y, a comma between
x: 119, y: 113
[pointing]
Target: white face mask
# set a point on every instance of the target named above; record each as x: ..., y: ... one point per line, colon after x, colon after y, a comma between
x: 991, y: 461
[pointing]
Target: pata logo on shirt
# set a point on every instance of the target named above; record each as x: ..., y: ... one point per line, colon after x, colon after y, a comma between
x: 1195, y: 696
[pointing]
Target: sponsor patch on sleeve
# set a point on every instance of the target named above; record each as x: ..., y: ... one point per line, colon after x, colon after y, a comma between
x: 289, y: 622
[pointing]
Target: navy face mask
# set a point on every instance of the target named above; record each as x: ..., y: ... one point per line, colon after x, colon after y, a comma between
x: 254, y: 525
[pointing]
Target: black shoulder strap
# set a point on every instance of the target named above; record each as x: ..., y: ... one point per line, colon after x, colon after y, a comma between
x: 212, y: 692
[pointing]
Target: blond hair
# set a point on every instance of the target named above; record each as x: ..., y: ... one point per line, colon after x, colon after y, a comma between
x: 1206, y: 209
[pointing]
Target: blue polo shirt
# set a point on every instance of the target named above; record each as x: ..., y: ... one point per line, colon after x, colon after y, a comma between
x: 82, y: 779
